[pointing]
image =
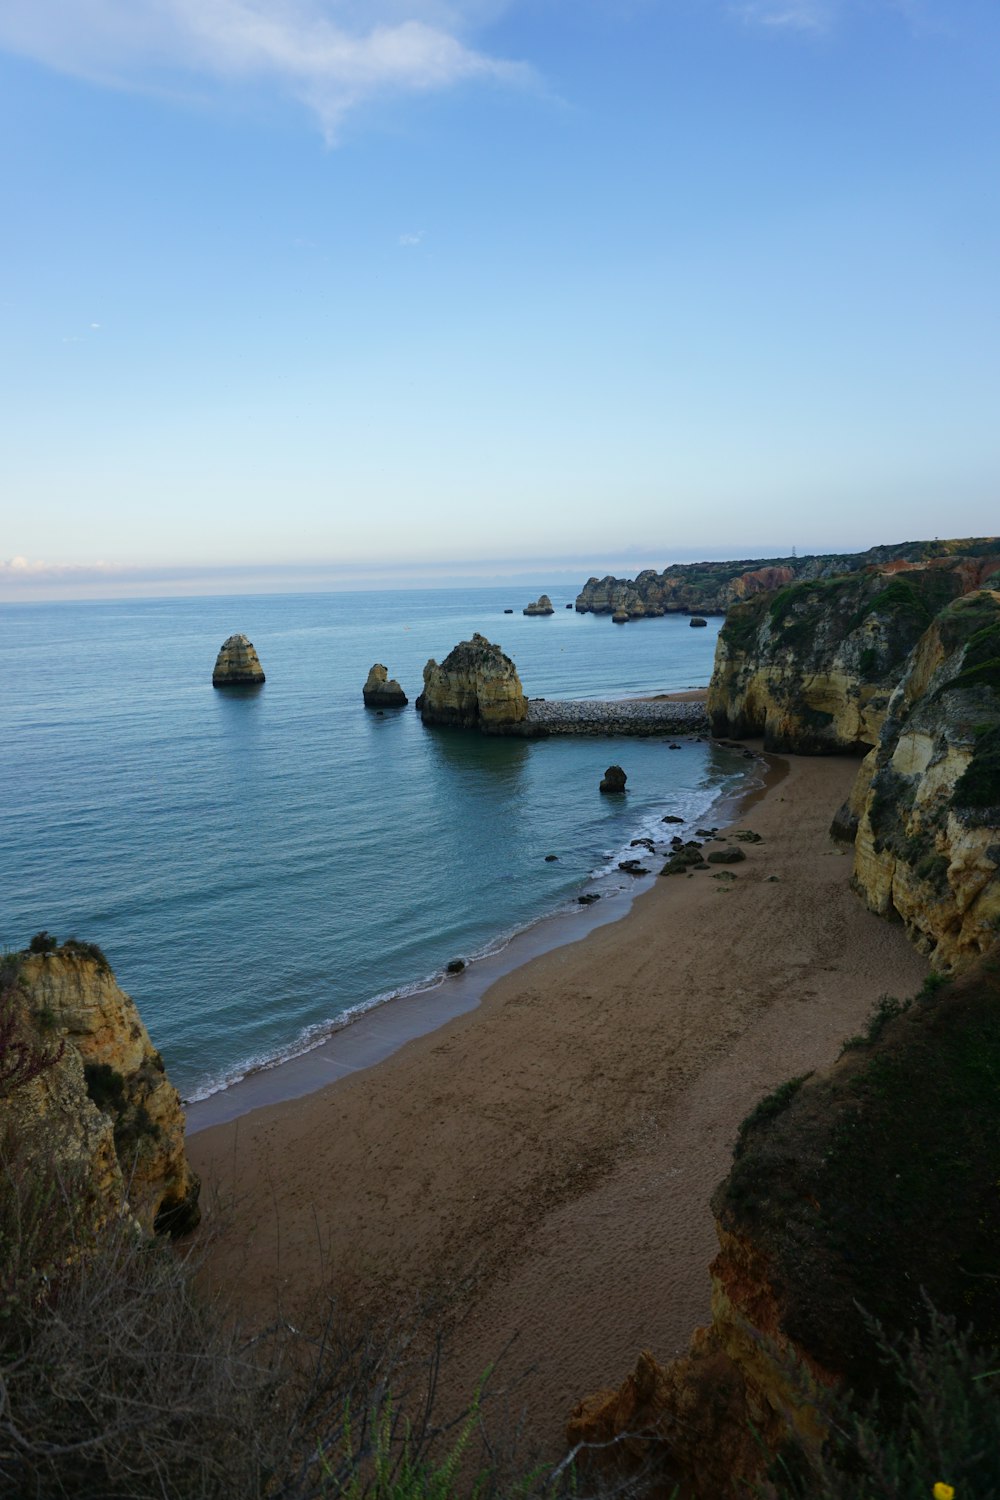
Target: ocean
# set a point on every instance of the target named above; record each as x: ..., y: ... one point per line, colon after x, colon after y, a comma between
x: 260, y: 865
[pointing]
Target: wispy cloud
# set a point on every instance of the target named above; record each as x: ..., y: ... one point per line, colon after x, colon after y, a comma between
x: 789, y: 15
x: 412, y: 237
x: 331, y: 54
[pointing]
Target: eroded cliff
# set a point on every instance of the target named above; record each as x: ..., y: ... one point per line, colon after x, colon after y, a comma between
x: 927, y: 846
x: 475, y: 687
x: 103, y: 1106
x: 711, y: 587
x: 811, y: 668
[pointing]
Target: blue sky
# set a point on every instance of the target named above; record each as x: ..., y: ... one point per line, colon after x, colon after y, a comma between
x: 316, y: 292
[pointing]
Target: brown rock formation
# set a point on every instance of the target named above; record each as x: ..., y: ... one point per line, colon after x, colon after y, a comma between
x: 106, y: 1104
x: 541, y: 606
x: 382, y: 691
x: 928, y: 798
x: 237, y: 664
x: 475, y: 687
x: 811, y: 668
x: 711, y: 587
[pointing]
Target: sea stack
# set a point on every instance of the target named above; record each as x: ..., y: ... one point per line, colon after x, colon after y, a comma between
x: 697, y: 620
x: 237, y: 664
x: 383, y: 691
x: 542, y: 606
x: 475, y: 687
x: 614, y: 780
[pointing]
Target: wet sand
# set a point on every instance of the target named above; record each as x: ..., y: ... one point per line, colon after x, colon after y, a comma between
x: 540, y: 1168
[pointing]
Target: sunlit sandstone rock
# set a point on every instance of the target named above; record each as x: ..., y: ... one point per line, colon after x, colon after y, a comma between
x: 475, y: 687
x: 105, y: 1107
x: 383, y: 691
x: 237, y: 663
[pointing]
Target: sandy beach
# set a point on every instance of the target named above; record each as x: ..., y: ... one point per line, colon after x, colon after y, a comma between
x: 540, y: 1168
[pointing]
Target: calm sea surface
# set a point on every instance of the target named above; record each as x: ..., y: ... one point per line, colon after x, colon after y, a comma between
x: 257, y: 864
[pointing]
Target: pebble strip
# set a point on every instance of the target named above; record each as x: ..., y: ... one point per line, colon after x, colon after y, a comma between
x: 620, y: 716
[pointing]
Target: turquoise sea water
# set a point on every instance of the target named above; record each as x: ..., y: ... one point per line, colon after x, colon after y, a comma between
x: 259, y: 863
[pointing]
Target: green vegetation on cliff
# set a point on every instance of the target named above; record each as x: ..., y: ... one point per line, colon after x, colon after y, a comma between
x: 873, y: 1190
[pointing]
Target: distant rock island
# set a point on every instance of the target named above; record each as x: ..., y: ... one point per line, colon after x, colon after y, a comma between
x: 237, y: 664
x: 709, y: 588
x: 475, y: 687
x: 542, y: 606
x: 383, y: 691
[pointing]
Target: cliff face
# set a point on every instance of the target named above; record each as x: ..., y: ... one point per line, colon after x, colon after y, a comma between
x: 105, y: 1105
x: 865, y: 1190
x: 811, y: 668
x: 928, y: 838
x: 711, y: 587
x: 475, y: 687
x: 237, y: 664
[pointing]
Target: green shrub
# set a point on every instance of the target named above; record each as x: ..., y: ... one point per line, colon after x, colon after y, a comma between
x: 43, y: 942
x: 105, y: 1086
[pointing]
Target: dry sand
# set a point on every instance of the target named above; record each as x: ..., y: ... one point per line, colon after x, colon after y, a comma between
x: 542, y: 1167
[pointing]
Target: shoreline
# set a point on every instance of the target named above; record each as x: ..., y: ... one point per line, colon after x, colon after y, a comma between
x: 382, y: 1027
x: 540, y: 1168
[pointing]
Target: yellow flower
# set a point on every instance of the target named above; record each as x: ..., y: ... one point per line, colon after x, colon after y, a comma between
x: 944, y: 1491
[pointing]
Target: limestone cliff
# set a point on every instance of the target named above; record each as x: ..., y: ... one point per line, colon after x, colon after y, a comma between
x: 811, y: 668
x: 475, y: 687
x: 711, y: 587
x: 381, y: 690
x: 105, y: 1104
x: 869, y: 1189
x: 237, y: 664
x: 928, y: 799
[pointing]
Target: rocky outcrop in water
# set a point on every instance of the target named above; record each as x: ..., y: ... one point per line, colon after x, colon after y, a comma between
x: 382, y: 691
x: 868, y: 1189
x: 811, y: 668
x: 475, y: 687
x: 613, y: 781
x: 542, y: 606
x: 927, y: 799
x: 706, y: 588
x: 103, y: 1108
x: 237, y: 664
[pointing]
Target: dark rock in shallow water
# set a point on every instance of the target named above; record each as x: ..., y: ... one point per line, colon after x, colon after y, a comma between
x: 697, y: 620
x: 614, y: 780
x: 237, y: 664
x: 671, y: 818
x: 632, y: 867
x: 455, y: 966
x: 551, y: 858
x: 508, y: 611
x: 588, y: 898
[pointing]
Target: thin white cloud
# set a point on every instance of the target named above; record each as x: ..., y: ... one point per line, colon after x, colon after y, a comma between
x: 331, y: 54
x: 788, y: 15
x: 413, y: 237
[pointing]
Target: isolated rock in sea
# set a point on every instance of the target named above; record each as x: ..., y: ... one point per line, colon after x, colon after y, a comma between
x: 475, y: 687
x: 542, y: 606
x: 103, y: 1106
x: 237, y: 664
x: 697, y: 620
x: 614, y: 780
x: 383, y: 691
